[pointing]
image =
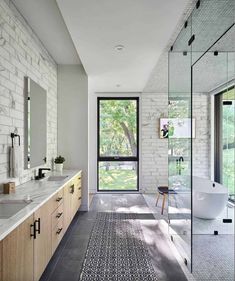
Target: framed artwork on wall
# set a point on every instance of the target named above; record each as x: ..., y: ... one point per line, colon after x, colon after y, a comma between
x: 177, y: 128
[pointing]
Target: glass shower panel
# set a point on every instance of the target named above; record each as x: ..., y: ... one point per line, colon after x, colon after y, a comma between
x: 228, y: 142
x: 213, y: 162
x: 209, y: 22
x: 179, y: 147
x: 181, y: 42
x: 201, y: 65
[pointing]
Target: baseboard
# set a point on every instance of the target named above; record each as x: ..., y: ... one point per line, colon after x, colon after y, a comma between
x: 84, y: 208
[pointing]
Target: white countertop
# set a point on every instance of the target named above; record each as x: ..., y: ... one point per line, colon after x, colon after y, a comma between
x: 39, y: 191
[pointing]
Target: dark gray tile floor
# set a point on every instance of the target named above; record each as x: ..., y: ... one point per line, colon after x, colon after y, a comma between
x: 66, y: 264
x: 67, y: 261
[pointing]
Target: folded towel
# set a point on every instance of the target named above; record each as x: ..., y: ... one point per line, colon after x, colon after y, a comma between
x: 15, y: 161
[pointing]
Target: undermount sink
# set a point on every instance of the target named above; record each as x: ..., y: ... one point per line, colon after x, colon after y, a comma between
x: 9, y: 207
x: 57, y: 178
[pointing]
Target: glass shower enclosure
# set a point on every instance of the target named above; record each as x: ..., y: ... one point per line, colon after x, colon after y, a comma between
x: 201, y: 150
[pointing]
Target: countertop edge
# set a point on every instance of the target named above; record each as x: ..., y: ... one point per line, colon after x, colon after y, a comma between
x: 37, y: 205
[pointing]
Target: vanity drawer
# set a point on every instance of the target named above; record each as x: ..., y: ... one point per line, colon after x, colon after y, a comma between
x: 57, y: 199
x: 77, y: 180
x: 79, y: 200
x: 57, y: 235
x: 79, y: 194
x: 57, y: 216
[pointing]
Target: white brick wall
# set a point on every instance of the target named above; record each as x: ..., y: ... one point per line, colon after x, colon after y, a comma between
x: 154, y: 150
x: 22, y: 54
x: 202, y: 142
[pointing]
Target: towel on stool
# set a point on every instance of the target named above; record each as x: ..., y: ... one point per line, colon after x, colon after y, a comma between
x: 15, y: 161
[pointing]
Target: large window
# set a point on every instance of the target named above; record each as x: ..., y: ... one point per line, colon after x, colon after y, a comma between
x: 118, y: 144
x: 225, y: 140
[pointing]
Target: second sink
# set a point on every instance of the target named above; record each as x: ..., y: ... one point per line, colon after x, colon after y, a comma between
x: 9, y: 208
x: 57, y: 178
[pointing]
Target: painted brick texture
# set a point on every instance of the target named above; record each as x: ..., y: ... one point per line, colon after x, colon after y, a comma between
x: 154, y: 150
x: 22, y: 54
x: 202, y: 142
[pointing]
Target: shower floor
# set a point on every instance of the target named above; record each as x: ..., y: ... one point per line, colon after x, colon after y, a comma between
x: 213, y: 257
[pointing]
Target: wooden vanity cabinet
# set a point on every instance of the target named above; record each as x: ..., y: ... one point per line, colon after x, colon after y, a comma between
x: 57, y: 226
x: 26, y: 251
x: 57, y: 199
x: 78, y: 191
x: 68, y: 192
x: 72, y: 199
x: 18, y: 253
x: 57, y: 234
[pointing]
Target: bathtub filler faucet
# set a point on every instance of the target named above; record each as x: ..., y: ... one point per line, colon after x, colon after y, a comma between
x: 179, y: 167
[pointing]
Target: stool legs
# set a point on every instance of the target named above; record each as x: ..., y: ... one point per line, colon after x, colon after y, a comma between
x: 163, y: 202
x: 157, y: 198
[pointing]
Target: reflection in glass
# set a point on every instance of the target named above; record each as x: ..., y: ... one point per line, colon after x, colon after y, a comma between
x: 228, y: 144
x: 35, y: 151
x: 179, y: 154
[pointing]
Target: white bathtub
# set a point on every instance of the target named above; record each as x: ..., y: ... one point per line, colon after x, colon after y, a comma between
x: 209, y: 198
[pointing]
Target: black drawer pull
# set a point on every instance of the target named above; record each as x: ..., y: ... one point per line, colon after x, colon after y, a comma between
x: 79, y: 188
x: 79, y: 198
x: 59, y: 230
x: 34, y: 231
x: 72, y: 189
x: 59, y: 215
x: 59, y: 199
x: 38, y: 229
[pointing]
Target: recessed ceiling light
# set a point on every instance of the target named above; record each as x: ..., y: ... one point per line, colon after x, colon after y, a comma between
x: 119, y: 47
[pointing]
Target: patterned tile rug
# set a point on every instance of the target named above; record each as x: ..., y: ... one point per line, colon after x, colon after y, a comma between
x: 117, y: 251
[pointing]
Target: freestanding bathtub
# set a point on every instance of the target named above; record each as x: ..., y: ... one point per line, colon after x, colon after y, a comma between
x: 209, y: 198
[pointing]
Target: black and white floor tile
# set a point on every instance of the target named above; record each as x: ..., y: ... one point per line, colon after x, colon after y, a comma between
x: 117, y: 251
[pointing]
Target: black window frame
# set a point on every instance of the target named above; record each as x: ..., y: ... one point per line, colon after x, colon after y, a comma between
x: 117, y: 158
x: 218, y: 152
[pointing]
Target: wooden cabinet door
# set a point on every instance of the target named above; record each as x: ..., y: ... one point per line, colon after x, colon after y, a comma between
x: 57, y: 234
x: 72, y: 199
x: 76, y: 198
x: 79, y: 190
x: 67, y: 206
x: 17, y: 250
x: 42, y: 243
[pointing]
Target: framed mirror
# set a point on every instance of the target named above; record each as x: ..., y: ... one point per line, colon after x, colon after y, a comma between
x: 35, y: 124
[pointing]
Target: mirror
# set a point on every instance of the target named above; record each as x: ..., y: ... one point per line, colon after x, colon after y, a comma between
x: 35, y: 124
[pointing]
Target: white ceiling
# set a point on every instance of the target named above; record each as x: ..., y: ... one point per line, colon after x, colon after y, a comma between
x: 45, y: 19
x: 143, y: 27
